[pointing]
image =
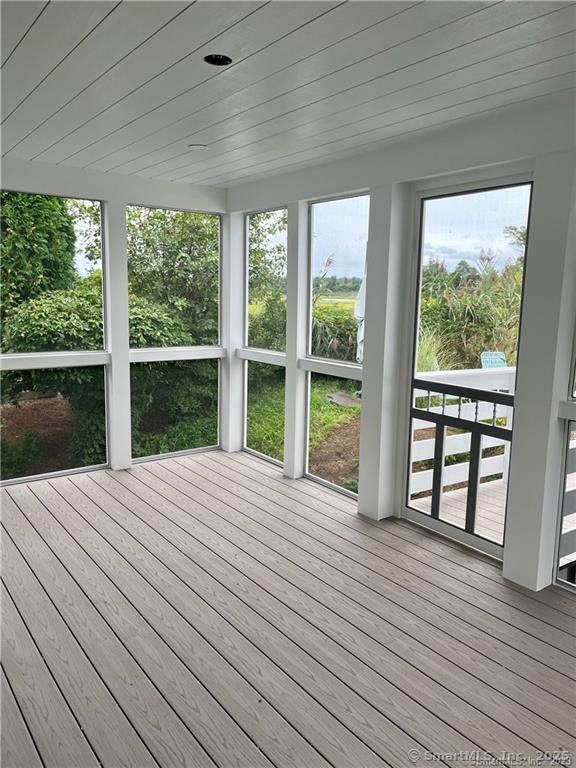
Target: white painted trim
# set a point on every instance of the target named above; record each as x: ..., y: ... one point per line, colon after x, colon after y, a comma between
x: 27, y: 361
x: 295, y: 422
x: 261, y: 356
x: 174, y: 454
x: 115, y: 286
x: 331, y: 368
x: 333, y: 486
x: 485, y: 546
x: 158, y: 354
x: 68, y: 181
x: 544, y: 364
x: 264, y: 456
x: 50, y: 475
x: 567, y: 410
x: 385, y: 357
x: 232, y: 321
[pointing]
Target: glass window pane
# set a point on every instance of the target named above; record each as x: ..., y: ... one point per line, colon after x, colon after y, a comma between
x: 51, y: 273
x: 334, y: 430
x: 265, y: 410
x: 339, y: 237
x: 173, y: 277
x: 52, y: 420
x: 267, y: 250
x: 174, y: 406
x: 471, y: 280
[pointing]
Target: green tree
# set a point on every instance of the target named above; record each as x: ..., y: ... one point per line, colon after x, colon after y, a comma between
x: 37, y: 248
x: 267, y: 279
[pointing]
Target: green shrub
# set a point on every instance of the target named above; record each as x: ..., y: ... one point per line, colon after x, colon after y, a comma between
x: 17, y: 457
x: 334, y: 332
x: 265, y: 423
x: 267, y: 323
x: 37, y: 247
x: 72, y: 320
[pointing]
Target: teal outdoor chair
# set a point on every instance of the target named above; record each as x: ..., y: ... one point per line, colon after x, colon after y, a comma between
x: 493, y: 359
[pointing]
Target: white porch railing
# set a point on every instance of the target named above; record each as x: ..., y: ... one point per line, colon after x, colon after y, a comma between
x: 422, y: 450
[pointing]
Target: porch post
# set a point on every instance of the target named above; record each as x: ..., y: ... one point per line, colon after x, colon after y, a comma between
x: 544, y: 357
x: 296, y: 340
x: 232, y: 325
x: 117, y: 333
x: 386, y: 357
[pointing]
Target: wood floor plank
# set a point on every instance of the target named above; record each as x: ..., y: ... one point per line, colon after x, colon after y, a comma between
x: 280, y: 717
x: 427, y: 541
x: 17, y: 746
x: 203, y: 611
x: 187, y: 722
x: 56, y: 732
x: 335, y: 601
x: 129, y: 529
x: 365, y: 606
x: 110, y: 733
x: 132, y: 506
x: 335, y: 521
x: 417, y: 593
x: 172, y: 545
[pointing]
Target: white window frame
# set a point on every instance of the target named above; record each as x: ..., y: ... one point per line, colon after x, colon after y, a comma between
x: 467, y: 183
x: 116, y: 355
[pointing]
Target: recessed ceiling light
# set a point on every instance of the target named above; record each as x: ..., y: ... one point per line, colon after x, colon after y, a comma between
x: 218, y: 59
x: 197, y: 147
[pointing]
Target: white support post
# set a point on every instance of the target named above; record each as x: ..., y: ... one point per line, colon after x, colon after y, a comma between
x: 387, y: 289
x: 232, y: 325
x: 117, y: 334
x: 296, y: 340
x: 544, y: 357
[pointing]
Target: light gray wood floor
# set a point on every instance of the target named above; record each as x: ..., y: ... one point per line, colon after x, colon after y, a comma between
x: 205, y: 611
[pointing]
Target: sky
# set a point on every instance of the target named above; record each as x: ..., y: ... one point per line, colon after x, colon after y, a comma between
x: 340, y: 228
x: 460, y: 227
x: 457, y: 227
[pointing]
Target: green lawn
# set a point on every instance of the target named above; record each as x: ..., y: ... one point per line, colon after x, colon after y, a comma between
x: 265, y: 432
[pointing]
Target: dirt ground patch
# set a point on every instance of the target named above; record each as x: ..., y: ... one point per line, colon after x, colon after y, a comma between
x: 336, y: 458
x: 53, y: 421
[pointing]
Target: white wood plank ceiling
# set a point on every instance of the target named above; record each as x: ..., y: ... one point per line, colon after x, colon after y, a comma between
x: 122, y: 87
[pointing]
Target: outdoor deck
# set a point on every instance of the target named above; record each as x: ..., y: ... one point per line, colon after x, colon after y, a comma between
x: 205, y: 611
x: 490, y: 508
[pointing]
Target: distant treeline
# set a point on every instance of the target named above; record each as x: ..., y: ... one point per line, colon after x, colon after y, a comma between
x: 337, y: 284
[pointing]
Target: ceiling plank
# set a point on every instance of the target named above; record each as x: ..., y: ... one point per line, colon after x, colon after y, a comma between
x: 170, y: 46
x: 415, y: 21
x: 360, y: 144
x: 117, y: 36
x: 357, y: 120
x: 60, y: 28
x: 414, y: 35
x: 321, y: 34
x: 449, y: 70
x: 154, y: 99
x: 17, y: 18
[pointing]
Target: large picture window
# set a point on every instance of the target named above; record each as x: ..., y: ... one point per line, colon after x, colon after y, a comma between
x: 51, y: 274
x: 173, y: 277
x: 52, y: 420
x: 338, y: 249
x: 267, y: 252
